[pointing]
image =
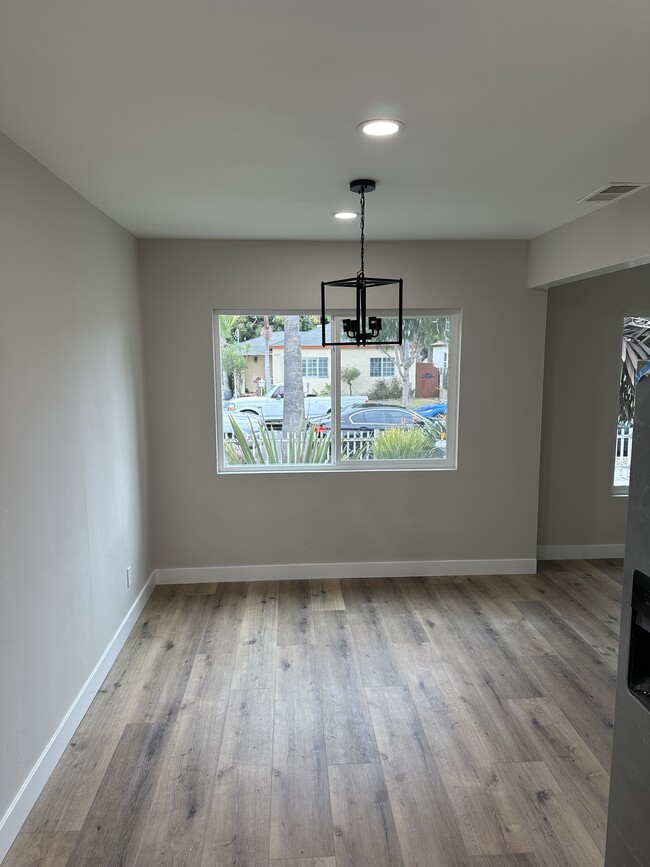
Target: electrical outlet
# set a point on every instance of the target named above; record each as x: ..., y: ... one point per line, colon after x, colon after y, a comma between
x: 128, y: 576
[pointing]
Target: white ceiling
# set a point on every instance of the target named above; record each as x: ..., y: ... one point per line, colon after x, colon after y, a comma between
x: 237, y: 118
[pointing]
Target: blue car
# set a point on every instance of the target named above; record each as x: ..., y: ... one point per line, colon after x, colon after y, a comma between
x: 433, y: 410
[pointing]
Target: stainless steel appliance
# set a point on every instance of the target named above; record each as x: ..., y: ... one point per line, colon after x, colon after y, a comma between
x: 628, y: 828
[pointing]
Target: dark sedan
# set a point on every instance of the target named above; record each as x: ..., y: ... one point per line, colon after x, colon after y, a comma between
x: 375, y: 416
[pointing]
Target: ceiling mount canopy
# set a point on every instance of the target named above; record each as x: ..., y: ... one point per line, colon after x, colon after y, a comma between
x: 365, y: 328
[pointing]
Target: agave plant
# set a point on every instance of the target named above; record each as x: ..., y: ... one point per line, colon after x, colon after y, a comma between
x: 436, y: 433
x: 264, y: 446
x: 635, y: 350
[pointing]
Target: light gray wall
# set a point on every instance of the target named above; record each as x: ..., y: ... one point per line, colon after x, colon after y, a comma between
x: 485, y: 509
x: 612, y: 237
x: 72, y: 469
x: 582, y: 371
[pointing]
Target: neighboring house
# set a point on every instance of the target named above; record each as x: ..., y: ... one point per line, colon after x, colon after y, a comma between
x: 439, y: 355
x: 372, y: 362
x: 255, y: 369
x: 440, y: 359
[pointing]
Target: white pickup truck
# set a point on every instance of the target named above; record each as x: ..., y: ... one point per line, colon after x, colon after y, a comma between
x: 270, y: 407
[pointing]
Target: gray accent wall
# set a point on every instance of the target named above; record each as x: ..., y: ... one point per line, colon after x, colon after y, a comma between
x: 581, y: 379
x: 487, y: 509
x: 72, y: 443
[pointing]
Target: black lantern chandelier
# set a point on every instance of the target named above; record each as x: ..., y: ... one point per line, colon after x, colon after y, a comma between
x: 364, y: 329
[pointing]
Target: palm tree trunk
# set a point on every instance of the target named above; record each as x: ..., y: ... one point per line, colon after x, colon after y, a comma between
x: 406, y: 368
x: 267, y: 331
x: 294, y: 401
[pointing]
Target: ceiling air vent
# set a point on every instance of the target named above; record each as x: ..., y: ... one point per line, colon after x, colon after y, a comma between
x: 612, y: 191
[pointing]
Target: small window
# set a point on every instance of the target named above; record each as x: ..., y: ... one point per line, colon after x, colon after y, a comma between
x: 316, y: 368
x: 635, y: 349
x: 382, y: 368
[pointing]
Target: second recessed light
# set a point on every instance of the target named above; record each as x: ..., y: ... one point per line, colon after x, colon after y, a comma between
x: 345, y: 215
x: 381, y: 126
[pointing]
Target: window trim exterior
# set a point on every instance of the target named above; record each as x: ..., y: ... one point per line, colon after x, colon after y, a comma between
x: 318, y: 361
x: 384, y: 361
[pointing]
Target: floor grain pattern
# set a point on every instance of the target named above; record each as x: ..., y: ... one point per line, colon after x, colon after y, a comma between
x: 423, y: 722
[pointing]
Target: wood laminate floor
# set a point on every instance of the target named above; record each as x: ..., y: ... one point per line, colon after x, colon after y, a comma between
x: 436, y: 722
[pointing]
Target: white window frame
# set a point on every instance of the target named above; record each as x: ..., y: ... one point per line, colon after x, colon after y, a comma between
x: 450, y: 462
x: 317, y: 360
x: 383, y: 360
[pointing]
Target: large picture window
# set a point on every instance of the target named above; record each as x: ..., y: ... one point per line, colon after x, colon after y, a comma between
x: 286, y: 403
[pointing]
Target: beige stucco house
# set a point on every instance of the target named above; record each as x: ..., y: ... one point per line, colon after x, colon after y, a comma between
x: 373, y: 363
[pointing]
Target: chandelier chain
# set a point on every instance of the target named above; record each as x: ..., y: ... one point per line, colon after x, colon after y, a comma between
x: 365, y: 327
x: 362, y: 222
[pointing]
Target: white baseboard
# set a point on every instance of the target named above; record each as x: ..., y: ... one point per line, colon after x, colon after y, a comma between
x: 13, y: 819
x: 580, y: 552
x: 297, y: 571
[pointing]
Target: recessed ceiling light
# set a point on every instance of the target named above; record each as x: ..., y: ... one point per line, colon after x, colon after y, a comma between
x: 381, y: 126
x: 345, y: 215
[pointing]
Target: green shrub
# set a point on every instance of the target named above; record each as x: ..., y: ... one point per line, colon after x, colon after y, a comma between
x: 395, y: 444
x: 386, y: 390
x: 410, y: 444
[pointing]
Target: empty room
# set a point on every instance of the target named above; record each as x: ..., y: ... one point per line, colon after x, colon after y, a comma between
x: 324, y: 434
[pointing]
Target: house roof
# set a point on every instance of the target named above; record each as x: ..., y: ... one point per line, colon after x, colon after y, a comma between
x: 313, y: 337
x: 256, y: 346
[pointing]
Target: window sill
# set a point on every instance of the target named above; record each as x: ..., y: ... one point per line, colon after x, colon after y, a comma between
x: 378, y: 467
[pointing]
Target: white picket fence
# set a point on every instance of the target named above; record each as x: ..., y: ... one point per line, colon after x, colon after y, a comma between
x: 355, y: 445
x: 623, y: 455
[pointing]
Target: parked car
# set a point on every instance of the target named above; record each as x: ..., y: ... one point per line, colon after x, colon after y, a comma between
x: 374, y: 416
x: 270, y: 407
x: 246, y: 422
x: 433, y: 410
